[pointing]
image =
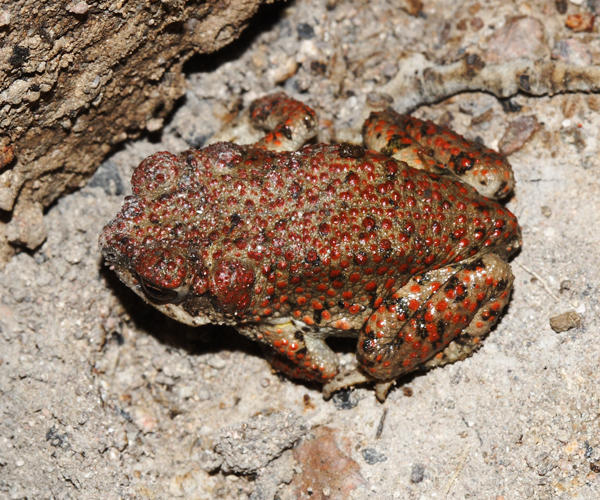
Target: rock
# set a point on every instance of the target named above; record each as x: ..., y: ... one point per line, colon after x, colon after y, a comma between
x: 328, y: 471
x: 583, y: 21
x: 251, y: 445
x: 521, y: 36
x: 517, y: 133
x: 565, y: 321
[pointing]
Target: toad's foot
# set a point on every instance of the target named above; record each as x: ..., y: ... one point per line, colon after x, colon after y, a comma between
x: 297, y: 353
x: 289, y: 123
x: 356, y: 377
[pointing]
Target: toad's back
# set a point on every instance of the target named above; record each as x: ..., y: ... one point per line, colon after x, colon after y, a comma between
x: 328, y: 227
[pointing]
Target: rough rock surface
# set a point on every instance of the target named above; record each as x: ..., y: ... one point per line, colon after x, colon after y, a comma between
x: 77, y: 78
x: 101, y: 397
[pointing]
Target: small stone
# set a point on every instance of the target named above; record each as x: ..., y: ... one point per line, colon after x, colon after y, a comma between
x: 561, y: 6
x: 79, y: 8
x: 379, y: 100
x: 154, y: 124
x: 372, y: 456
x: 521, y: 36
x: 4, y: 18
x: 345, y: 399
x: 216, y: 362
x: 305, y: 31
x: 572, y: 51
x: 517, y: 133
x: 546, y: 211
x: 144, y: 419
x: 412, y: 7
x: 417, y: 473
x: 27, y: 227
x: 565, y: 321
x: 107, y: 177
x: 282, y: 70
x: 582, y: 22
x: 326, y: 464
x: 251, y: 445
x: 482, y: 118
x: 565, y: 285
x: 476, y: 23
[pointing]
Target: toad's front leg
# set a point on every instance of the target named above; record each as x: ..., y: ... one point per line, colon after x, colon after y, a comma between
x: 297, y: 350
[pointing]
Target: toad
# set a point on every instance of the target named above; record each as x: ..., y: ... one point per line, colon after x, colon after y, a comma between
x: 398, y: 243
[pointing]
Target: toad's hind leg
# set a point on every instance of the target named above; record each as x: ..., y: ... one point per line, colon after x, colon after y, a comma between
x: 290, y: 123
x: 460, y: 303
x: 425, y: 145
x: 298, y: 351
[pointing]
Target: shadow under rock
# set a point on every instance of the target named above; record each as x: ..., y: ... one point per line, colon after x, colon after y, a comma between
x: 267, y: 16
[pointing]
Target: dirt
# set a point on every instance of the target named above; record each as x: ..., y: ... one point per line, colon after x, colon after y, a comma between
x: 102, y: 397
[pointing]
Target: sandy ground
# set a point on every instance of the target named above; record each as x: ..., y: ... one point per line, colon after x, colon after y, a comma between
x: 102, y: 397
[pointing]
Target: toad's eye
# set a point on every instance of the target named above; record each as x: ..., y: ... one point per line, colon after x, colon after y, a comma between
x: 157, y: 294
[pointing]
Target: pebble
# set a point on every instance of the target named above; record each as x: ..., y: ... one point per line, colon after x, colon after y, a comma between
x: 517, y: 133
x: 251, y: 445
x: 4, y: 18
x: 372, y: 456
x: 561, y: 6
x: 379, y: 100
x: 305, y: 31
x: 565, y: 321
x: 78, y: 7
x: 216, y: 362
x: 581, y: 22
x: 417, y: 473
x: 345, y: 399
x: 521, y: 36
x: 572, y: 51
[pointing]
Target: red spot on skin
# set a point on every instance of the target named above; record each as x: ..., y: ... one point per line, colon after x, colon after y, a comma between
x: 308, y: 320
x: 441, y: 305
x: 361, y: 259
x: 231, y: 284
x: 354, y: 308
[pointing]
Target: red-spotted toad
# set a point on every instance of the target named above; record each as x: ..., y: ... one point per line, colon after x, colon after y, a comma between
x: 394, y: 248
